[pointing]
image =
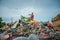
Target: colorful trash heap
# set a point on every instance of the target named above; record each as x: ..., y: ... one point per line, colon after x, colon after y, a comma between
x: 26, y: 28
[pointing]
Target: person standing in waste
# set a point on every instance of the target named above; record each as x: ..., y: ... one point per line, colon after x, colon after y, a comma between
x: 31, y: 16
x: 50, y: 26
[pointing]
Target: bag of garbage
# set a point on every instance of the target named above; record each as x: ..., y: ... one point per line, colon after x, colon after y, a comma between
x: 33, y: 37
x: 20, y: 38
x: 52, y: 34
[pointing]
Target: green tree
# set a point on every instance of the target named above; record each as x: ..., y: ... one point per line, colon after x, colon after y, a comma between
x: 45, y: 23
x: 0, y: 19
x: 25, y: 18
x: 2, y: 23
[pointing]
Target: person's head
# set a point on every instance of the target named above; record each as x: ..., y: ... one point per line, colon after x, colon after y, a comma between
x: 32, y: 13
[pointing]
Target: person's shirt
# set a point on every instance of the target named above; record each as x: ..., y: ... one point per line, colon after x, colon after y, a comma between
x: 49, y: 25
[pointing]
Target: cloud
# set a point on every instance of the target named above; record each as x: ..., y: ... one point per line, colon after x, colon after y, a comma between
x: 43, y: 10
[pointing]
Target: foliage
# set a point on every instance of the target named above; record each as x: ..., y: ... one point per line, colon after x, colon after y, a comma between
x: 0, y: 20
x: 25, y: 19
x: 57, y: 26
x: 46, y: 22
x: 2, y: 23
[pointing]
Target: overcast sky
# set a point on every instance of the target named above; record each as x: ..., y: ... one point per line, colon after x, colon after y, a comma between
x: 43, y: 10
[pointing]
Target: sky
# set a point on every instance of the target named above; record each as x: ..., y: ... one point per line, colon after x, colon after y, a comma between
x: 44, y: 10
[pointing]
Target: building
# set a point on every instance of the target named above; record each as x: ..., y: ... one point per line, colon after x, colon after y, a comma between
x: 56, y: 20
